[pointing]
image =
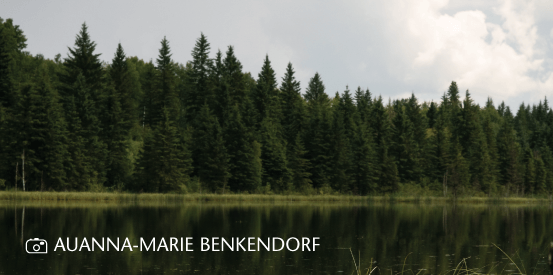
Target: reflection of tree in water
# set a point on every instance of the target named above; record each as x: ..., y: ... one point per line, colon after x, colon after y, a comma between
x: 438, y: 236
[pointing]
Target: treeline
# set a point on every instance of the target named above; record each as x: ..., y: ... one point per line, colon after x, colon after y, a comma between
x: 77, y: 123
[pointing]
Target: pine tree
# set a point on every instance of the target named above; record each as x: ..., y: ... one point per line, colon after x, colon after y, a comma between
x: 51, y: 135
x: 541, y: 177
x: 89, y: 130
x: 432, y: 114
x: 199, y: 79
x: 363, y: 103
x: 83, y: 60
x: 166, y: 94
x: 266, y: 97
x: 6, y: 81
x: 118, y: 121
x: 294, y: 115
x: 382, y: 127
x: 211, y: 160
x: 530, y: 173
x: 273, y: 156
x: 126, y: 82
x: 221, y: 97
x: 363, y: 172
x: 315, y: 94
x: 509, y: 154
x: 78, y: 164
x: 458, y: 171
x: 298, y: 165
x: 233, y: 79
x: 82, y: 85
x: 404, y: 147
x: 165, y: 163
x: 318, y: 132
x: 340, y: 151
x: 244, y: 154
x: 491, y: 141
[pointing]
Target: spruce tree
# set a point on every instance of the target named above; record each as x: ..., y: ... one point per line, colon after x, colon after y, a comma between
x: 165, y: 163
x: 363, y: 102
x: 83, y: 60
x: 166, y: 94
x: 266, y: 97
x: 363, y: 172
x: 340, y: 151
x: 6, y: 81
x: 293, y: 107
x: 211, y: 160
x: 244, y: 154
x: 118, y: 120
x: 82, y: 85
x: 458, y: 171
x: 318, y: 132
x: 509, y: 154
x: 298, y: 165
x: 51, y: 137
x: 273, y: 156
x: 199, y: 93
x: 530, y: 173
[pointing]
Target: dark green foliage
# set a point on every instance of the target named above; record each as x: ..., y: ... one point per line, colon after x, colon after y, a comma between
x: 293, y: 106
x: 163, y: 126
x: 165, y: 163
x: 6, y: 81
x: 265, y: 96
x: 458, y: 170
x: 199, y: 92
x: 363, y: 171
x: 211, y: 160
x: 298, y: 165
x: 509, y: 155
x: 244, y: 154
x: 318, y: 133
x: 273, y: 156
x: 83, y: 61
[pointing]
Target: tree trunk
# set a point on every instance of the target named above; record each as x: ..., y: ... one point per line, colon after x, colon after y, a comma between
x: 16, y: 168
x: 41, y: 181
x: 23, y: 169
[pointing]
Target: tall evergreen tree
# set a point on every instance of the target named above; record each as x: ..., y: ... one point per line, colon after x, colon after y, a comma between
x: 199, y: 92
x: 509, y: 154
x: 211, y: 161
x: 294, y: 114
x: 165, y: 163
x: 266, y: 97
x: 244, y: 154
x: 318, y: 133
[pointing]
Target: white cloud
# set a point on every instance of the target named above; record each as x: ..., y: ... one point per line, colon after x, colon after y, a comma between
x: 487, y: 58
x: 500, y: 48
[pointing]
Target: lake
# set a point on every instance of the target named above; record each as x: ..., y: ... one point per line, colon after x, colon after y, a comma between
x: 430, y: 238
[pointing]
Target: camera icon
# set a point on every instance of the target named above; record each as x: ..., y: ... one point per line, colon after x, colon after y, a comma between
x: 36, y: 246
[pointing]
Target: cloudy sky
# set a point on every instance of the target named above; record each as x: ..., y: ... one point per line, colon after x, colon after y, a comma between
x: 502, y: 49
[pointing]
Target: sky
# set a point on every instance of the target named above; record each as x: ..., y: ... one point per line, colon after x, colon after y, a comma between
x: 501, y: 49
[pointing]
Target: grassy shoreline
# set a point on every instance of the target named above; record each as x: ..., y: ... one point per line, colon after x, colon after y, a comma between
x: 155, y: 197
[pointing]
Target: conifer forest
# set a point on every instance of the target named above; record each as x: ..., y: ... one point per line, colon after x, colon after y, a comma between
x: 76, y: 123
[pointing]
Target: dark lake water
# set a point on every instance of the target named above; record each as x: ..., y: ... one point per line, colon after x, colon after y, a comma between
x: 433, y: 239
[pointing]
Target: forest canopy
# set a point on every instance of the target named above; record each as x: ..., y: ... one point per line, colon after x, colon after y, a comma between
x: 77, y: 123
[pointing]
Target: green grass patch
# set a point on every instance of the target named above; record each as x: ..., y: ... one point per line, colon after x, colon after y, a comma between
x: 153, y: 197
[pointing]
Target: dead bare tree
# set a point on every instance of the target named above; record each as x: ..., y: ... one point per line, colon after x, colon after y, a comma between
x: 16, y: 168
x: 23, y: 169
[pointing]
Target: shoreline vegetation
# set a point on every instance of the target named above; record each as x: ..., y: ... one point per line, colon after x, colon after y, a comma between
x: 269, y: 198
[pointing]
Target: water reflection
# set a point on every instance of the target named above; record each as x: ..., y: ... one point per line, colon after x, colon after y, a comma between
x: 409, y: 237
